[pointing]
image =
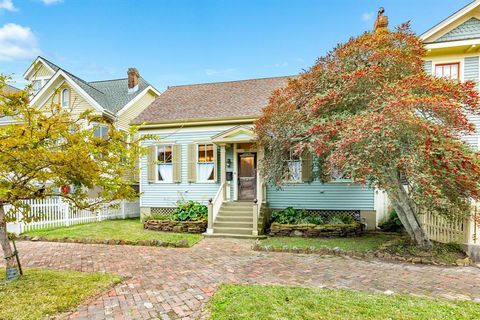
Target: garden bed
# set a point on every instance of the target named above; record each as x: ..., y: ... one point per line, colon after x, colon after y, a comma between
x: 316, y: 231
x: 176, y: 226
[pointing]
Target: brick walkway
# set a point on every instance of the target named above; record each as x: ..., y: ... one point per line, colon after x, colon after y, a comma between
x: 174, y: 283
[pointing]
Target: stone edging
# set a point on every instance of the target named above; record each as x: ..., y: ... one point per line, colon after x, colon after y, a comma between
x: 176, y: 226
x: 316, y: 231
x: 152, y: 243
x: 359, y: 255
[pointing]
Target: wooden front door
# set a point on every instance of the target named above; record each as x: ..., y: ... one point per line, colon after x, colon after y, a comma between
x: 247, y: 176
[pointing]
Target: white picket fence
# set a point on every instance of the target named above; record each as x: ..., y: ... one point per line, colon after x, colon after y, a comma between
x: 55, y: 212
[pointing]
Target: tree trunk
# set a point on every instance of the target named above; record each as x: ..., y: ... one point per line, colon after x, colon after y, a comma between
x: 11, y: 265
x: 405, y: 209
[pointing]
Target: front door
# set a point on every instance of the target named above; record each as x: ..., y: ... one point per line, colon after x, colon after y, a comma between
x: 247, y: 176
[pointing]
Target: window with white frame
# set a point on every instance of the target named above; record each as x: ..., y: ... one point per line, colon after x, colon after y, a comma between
x: 448, y: 70
x: 294, y: 167
x: 65, y: 98
x: 101, y: 131
x: 164, y: 163
x: 205, y: 162
x: 36, y: 85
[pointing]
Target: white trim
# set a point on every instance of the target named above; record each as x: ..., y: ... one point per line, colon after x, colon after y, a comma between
x: 235, y: 172
x: 138, y: 97
x: 427, y: 34
x: 450, y: 44
x: 157, y: 164
x: 38, y: 59
x: 215, y: 163
x: 77, y: 88
x: 189, y: 123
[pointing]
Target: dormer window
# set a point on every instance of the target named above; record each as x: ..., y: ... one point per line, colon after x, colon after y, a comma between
x: 36, y: 85
x: 448, y: 70
x: 65, y: 98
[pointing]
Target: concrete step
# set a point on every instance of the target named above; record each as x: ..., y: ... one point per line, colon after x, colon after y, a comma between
x: 239, y: 203
x: 225, y: 213
x: 235, y: 231
x: 234, y: 236
x: 232, y: 224
x: 233, y: 219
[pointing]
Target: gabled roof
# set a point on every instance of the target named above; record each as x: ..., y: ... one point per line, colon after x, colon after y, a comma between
x: 8, y: 89
x: 432, y: 35
x: 210, y: 101
x: 112, y: 95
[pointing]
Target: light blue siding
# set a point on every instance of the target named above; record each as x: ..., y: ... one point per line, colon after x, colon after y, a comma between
x: 316, y: 195
x: 471, y: 72
x: 470, y: 29
x: 333, y: 196
x: 167, y: 194
x: 427, y: 66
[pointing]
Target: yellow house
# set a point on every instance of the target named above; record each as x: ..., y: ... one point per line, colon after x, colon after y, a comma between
x: 453, y: 51
x: 120, y: 100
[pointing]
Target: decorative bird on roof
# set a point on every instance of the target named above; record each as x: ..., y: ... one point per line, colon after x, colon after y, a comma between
x: 381, y: 23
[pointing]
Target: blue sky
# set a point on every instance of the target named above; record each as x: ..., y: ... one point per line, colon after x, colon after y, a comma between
x: 191, y: 41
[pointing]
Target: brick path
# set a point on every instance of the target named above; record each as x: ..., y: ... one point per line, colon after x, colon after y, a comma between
x: 169, y: 283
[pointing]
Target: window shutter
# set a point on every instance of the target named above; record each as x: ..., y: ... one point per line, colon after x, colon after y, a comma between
x: 215, y: 164
x: 192, y: 163
x: 151, y: 164
x: 177, y: 163
x: 307, y: 166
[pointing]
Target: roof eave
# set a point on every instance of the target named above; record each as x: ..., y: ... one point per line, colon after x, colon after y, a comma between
x: 195, y: 122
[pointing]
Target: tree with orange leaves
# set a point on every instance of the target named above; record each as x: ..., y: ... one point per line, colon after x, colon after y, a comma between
x: 369, y: 110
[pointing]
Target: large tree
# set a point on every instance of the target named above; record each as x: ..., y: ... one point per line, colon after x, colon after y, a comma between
x: 53, y: 151
x: 369, y: 110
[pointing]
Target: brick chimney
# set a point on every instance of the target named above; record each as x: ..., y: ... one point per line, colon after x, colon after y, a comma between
x: 133, y: 76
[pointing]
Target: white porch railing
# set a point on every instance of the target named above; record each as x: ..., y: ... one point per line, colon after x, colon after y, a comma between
x: 214, y: 206
x: 257, y: 207
x: 54, y: 212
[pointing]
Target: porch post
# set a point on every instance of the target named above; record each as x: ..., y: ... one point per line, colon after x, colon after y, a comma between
x: 223, y: 171
x: 210, y: 217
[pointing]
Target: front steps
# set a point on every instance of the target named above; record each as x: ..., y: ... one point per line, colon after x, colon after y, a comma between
x: 235, y: 220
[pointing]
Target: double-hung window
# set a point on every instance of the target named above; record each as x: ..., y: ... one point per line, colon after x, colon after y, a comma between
x: 205, y: 163
x: 164, y: 163
x: 101, y: 131
x: 294, y: 167
x: 448, y: 70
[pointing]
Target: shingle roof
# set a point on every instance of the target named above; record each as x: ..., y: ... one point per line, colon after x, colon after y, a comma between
x: 241, y: 98
x: 110, y: 94
x: 10, y: 89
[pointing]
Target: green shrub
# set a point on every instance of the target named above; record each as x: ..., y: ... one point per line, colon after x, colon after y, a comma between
x: 294, y: 216
x: 190, y: 211
x: 393, y: 223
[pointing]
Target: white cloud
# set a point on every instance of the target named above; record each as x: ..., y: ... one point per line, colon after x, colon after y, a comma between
x: 17, y: 42
x: 367, y: 16
x: 7, y: 5
x: 281, y: 65
x: 215, y: 72
x: 49, y: 2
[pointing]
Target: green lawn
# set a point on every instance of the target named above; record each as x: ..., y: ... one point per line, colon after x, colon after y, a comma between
x: 273, y: 302
x: 127, y: 230
x: 367, y: 242
x: 42, y: 293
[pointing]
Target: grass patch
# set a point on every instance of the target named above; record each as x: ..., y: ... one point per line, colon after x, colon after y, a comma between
x: 43, y: 293
x: 274, y: 302
x: 364, y: 243
x: 440, y: 253
x: 127, y: 230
